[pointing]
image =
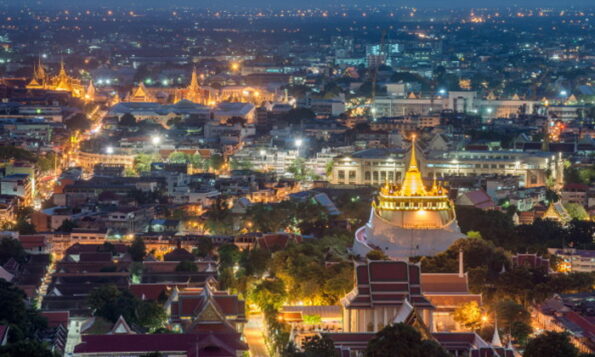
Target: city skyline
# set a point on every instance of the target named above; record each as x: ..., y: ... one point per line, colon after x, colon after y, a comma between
x: 238, y: 4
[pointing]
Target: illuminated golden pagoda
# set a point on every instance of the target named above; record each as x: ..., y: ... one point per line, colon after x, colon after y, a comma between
x: 195, y: 92
x: 61, y: 82
x: 409, y: 219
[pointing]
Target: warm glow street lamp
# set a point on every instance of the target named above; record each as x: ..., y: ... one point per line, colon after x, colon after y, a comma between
x: 298, y: 144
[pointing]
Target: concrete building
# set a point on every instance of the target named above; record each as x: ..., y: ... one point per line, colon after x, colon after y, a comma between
x: 375, y: 166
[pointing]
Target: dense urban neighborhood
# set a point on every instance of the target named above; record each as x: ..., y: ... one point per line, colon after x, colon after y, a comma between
x: 340, y: 180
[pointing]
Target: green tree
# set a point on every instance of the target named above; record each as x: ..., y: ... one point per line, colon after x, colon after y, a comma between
x: 178, y: 157
x: 469, y: 315
x: 109, y: 302
x: 142, y: 162
x: 137, y: 249
x: 186, y: 266
x: 551, y: 195
x: 216, y: 162
x: 151, y: 315
x: 377, y: 254
x: 577, y: 211
x: 204, y: 248
x: 398, y: 340
x: 25, y: 321
x: 14, y: 153
x: 11, y: 248
x: 47, y: 162
x: 551, y: 344
x: 269, y: 294
x: 79, y: 122
x: 198, y: 162
x: 298, y: 169
x: 509, y: 312
x: 127, y: 120
x: 67, y: 226
x: 318, y: 346
x: 229, y: 255
x: 236, y: 164
x: 520, y: 331
x: 29, y: 348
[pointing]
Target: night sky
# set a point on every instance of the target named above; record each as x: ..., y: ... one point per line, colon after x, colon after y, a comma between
x: 305, y: 3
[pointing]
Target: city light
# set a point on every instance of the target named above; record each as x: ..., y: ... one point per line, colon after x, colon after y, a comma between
x: 156, y: 140
x: 299, y: 142
x: 109, y: 150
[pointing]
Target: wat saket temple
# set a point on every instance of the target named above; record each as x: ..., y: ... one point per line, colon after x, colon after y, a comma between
x: 410, y: 219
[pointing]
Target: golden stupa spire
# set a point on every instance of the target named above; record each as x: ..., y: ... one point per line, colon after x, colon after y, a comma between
x: 413, y: 184
x: 434, y: 185
x: 194, y: 85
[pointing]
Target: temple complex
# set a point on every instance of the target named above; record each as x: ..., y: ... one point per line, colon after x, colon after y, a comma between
x: 62, y: 82
x: 200, y: 94
x: 409, y: 220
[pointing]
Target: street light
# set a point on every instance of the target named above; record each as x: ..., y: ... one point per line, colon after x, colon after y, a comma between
x: 563, y: 93
x: 109, y: 150
x: 442, y: 91
x: 298, y: 143
x: 156, y: 140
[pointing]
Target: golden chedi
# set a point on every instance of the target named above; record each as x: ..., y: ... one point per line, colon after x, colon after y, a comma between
x: 409, y: 219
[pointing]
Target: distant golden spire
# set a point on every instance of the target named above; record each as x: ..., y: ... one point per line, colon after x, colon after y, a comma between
x: 413, y: 184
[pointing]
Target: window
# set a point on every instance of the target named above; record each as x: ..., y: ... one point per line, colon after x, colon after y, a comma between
x: 375, y: 175
x: 341, y: 174
x: 367, y: 176
x: 351, y: 175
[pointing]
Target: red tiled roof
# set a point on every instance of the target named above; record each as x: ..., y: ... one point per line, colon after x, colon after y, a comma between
x: 480, y: 199
x: 443, y: 283
x: 228, y: 344
x: 33, y: 241
x: 3, y: 331
x: 56, y: 318
x: 576, y: 187
x: 387, y: 283
x: 148, y: 291
x: 581, y: 322
x: 276, y: 241
x: 95, y: 257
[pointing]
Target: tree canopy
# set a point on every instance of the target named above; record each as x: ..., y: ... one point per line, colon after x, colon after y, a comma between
x: 401, y: 340
x: 551, y: 344
x: 109, y: 302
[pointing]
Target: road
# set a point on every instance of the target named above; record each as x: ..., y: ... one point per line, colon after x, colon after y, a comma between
x: 253, y: 332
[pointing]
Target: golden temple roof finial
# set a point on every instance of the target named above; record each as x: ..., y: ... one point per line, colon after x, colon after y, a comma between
x: 413, y: 159
x: 434, y: 184
x: 413, y: 184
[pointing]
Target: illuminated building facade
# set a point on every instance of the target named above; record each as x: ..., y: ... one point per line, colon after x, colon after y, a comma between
x: 410, y: 219
x: 62, y: 82
x: 376, y: 166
